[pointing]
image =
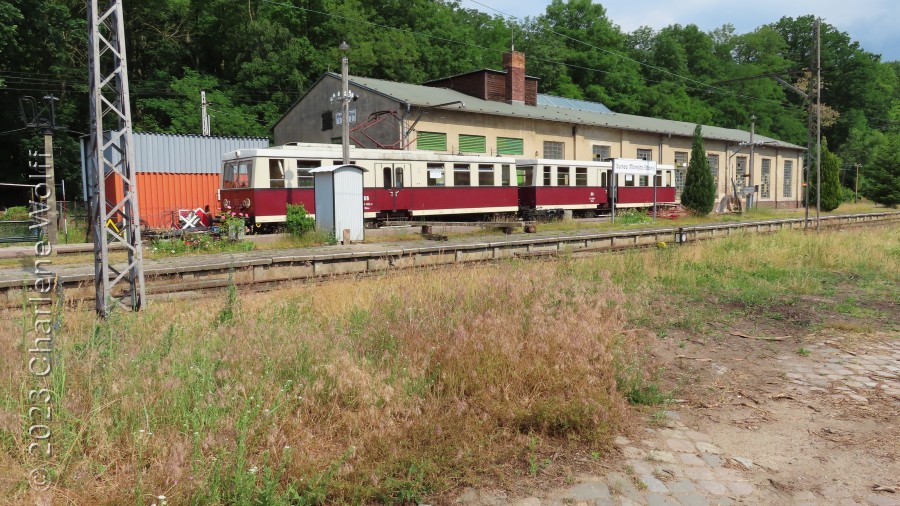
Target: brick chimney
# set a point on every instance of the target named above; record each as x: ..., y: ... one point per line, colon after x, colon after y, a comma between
x: 514, y: 64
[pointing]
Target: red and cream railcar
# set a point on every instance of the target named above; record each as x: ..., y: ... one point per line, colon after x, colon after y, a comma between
x: 259, y: 183
x: 547, y: 185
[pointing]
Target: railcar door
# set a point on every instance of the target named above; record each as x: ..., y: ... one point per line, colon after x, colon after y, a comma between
x: 394, y: 180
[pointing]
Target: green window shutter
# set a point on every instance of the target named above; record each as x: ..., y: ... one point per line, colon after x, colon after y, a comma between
x: 431, y: 141
x: 472, y: 143
x: 510, y: 146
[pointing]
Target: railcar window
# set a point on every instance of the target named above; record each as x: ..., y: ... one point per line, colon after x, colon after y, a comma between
x: 485, y: 175
x: 659, y: 179
x: 436, y: 174
x: 604, y: 179
x: 461, y: 175
x: 228, y: 175
x: 388, y: 176
x: 548, y: 175
x: 304, y: 178
x: 525, y: 176
x: 629, y: 179
x: 562, y: 176
x: 398, y: 177
x: 644, y: 181
x: 276, y: 173
x: 504, y: 175
x: 581, y: 176
x: 243, y: 176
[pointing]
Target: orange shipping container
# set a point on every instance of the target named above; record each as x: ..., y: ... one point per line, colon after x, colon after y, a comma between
x: 162, y: 195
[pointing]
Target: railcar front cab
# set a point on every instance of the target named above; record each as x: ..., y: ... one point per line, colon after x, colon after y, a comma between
x: 258, y: 186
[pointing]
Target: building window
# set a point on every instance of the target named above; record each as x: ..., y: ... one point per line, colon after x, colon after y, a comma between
x: 510, y: 146
x: 601, y: 152
x: 580, y: 176
x: 276, y: 173
x: 740, y: 168
x: 431, y: 141
x: 645, y: 154
x: 472, y: 143
x: 485, y: 175
x: 554, y: 150
x: 787, y: 191
x: 461, y: 175
x: 714, y: 169
x: 681, y: 158
x: 304, y: 178
x: 765, y: 176
x: 327, y: 122
x: 562, y: 176
x: 548, y: 176
x: 436, y: 174
x: 505, y: 175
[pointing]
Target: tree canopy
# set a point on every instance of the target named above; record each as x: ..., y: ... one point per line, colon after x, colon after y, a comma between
x: 256, y: 57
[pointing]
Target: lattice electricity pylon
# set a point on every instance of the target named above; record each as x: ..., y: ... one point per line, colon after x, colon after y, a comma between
x: 115, y: 217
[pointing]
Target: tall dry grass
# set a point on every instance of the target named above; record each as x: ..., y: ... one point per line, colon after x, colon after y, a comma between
x: 370, y: 390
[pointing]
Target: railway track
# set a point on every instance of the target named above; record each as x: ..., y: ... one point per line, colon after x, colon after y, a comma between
x: 264, y: 270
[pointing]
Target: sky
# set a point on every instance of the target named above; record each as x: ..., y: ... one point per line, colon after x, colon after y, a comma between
x: 872, y: 23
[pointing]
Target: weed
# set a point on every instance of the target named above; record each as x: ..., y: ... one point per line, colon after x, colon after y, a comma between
x: 228, y: 311
x: 803, y: 352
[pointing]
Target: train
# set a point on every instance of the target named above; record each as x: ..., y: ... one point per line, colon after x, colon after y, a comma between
x: 420, y: 185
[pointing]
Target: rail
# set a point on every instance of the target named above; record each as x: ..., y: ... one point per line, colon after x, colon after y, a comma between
x: 260, y: 269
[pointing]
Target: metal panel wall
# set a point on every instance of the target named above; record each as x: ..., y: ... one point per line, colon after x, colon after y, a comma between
x: 348, y: 205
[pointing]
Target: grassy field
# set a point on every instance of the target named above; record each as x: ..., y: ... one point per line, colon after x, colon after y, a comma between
x: 403, y: 386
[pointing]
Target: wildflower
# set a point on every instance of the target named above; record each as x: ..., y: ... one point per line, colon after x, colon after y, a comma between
x: 253, y: 470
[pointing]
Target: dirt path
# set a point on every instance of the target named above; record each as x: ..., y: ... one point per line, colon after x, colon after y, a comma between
x: 767, y: 412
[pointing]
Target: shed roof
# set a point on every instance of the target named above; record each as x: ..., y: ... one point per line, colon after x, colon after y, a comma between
x: 552, y: 109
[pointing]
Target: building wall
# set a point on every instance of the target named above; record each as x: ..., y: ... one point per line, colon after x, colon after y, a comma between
x: 304, y: 121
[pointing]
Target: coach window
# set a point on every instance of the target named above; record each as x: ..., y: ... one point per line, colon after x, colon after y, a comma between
x: 580, y: 176
x: 645, y: 154
x: 562, y: 176
x: 436, y: 174
x: 228, y: 175
x: 504, y: 175
x: 276, y: 173
x: 629, y: 179
x: 388, y: 176
x: 525, y: 176
x: 604, y: 178
x: 461, y: 175
x: 644, y: 181
x: 485, y: 175
x: 548, y: 175
x: 304, y: 178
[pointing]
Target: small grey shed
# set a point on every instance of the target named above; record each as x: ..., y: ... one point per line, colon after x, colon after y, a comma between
x: 339, y: 200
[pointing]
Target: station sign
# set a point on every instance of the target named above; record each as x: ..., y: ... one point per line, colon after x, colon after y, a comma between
x: 634, y: 166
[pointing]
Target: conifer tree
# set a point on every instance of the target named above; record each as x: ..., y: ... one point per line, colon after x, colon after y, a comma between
x: 881, y: 182
x: 699, y: 195
x: 831, y: 195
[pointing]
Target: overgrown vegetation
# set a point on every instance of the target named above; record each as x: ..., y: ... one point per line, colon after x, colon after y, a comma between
x: 399, y: 387
x: 298, y: 221
x: 195, y: 243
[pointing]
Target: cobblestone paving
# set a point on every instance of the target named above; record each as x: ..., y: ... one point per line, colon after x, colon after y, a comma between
x: 674, y: 465
x: 844, y: 375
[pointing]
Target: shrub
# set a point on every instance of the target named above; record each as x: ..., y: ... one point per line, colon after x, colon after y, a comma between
x: 298, y: 220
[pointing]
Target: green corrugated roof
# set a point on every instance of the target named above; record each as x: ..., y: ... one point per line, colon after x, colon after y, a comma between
x: 418, y: 95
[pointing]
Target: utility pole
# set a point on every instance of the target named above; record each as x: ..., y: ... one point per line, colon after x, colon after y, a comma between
x: 751, y: 198
x: 856, y: 186
x: 345, y: 104
x: 111, y: 160
x: 818, y: 119
x: 204, y: 115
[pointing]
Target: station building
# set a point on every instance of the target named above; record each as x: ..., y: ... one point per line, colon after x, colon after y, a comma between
x: 501, y: 112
